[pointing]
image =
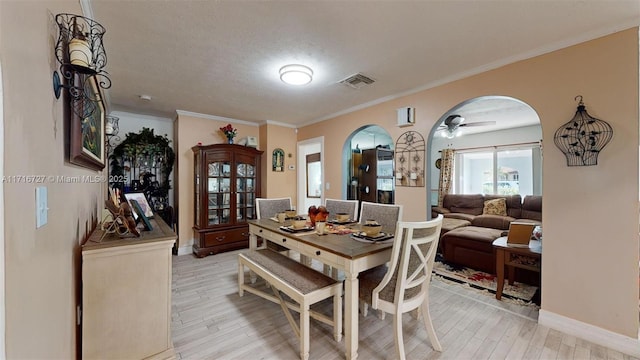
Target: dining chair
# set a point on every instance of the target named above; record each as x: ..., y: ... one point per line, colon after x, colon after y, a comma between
x: 403, y: 285
x: 386, y: 215
x: 268, y: 208
x: 335, y: 206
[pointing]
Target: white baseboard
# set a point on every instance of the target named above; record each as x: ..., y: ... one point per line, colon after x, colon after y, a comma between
x: 185, y: 250
x: 594, y: 334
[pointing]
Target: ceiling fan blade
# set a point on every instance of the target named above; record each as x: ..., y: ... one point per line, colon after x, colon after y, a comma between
x: 479, y: 123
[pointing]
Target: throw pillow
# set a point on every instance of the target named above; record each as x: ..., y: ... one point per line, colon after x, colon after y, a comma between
x: 495, y: 207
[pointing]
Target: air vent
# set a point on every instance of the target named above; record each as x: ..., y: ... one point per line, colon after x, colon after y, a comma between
x: 357, y: 81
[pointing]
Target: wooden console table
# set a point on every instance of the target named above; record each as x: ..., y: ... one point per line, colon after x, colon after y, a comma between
x: 515, y: 257
x: 126, y: 295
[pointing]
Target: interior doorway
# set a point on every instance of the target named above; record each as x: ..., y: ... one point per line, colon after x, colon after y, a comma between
x: 368, y: 165
x: 310, y: 173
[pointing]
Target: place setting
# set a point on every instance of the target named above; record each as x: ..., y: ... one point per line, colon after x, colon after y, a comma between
x: 371, y: 233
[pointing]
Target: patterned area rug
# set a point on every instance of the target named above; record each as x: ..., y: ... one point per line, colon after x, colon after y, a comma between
x: 482, y: 280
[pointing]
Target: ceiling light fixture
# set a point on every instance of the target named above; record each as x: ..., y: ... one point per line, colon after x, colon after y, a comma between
x: 296, y: 74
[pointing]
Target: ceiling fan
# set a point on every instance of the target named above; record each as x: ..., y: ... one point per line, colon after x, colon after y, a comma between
x: 452, y: 123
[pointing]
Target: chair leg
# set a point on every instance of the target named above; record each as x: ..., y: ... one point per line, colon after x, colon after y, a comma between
x: 397, y: 332
x: 365, y: 308
x: 428, y: 324
x: 240, y: 278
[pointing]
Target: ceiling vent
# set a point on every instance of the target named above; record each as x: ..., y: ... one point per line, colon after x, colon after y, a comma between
x: 357, y: 81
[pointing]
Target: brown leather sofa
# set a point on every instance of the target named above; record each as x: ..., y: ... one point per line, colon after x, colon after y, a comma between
x: 471, y: 245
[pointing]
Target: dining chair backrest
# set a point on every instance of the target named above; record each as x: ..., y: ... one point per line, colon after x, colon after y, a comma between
x: 386, y: 215
x: 406, y: 283
x: 268, y: 208
x: 335, y: 206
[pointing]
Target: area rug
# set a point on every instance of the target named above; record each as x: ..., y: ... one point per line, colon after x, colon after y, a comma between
x: 482, y: 280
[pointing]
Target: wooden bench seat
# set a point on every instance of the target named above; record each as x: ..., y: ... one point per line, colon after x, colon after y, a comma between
x: 300, y: 283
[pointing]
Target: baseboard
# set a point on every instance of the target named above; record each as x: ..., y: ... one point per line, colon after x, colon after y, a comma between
x: 594, y: 334
x: 185, y: 250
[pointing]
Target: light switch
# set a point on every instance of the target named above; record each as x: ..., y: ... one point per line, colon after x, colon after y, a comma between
x: 42, y: 206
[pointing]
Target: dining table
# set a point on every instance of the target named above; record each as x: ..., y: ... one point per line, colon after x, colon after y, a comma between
x: 338, y: 250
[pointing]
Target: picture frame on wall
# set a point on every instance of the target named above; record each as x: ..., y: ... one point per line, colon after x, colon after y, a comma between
x: 86, y: 124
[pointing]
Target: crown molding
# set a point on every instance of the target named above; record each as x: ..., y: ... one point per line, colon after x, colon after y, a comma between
x: 216, y: 118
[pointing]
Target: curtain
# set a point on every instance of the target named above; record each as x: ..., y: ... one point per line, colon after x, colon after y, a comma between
x: 446, y: 173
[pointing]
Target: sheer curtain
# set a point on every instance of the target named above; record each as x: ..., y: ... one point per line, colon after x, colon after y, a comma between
x: 446, y: 174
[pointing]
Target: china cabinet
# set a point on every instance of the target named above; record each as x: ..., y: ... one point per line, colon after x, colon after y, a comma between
x: 377, y: 183
x: 226, y: 184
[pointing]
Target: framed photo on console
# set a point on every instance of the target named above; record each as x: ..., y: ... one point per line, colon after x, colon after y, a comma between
x: 137, y: 209
x: 142, y: 201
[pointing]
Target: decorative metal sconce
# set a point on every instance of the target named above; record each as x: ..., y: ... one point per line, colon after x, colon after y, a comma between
x: 409, y: 159
x: 111, y: 130
x: 582, y: 138
x: 81, y: 55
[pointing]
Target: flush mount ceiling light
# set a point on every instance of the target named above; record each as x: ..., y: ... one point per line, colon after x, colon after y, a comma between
x: 296, y: 74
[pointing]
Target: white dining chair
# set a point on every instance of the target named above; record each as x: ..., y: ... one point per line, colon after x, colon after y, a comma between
x: 386, y: 215
x: 335, y: 206
x: 268, y: 208
x: 403, y: 285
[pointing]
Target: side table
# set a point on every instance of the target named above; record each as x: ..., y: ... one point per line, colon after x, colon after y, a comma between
x: 527, y: 258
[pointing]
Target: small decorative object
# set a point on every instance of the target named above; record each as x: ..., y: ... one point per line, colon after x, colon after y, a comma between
x: 583, y: 137
x: 537, y: 233
x: 278, y: 160
x: 409, y: 156
x: 229, y: 132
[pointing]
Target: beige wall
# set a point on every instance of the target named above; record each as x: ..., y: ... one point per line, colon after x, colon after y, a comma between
x: 42, y: 265
x: 278, y: 184
x: 590, y: 215
x: 191, y: 129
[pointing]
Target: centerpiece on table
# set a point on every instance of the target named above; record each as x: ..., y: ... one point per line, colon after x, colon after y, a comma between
x: 229, y: 132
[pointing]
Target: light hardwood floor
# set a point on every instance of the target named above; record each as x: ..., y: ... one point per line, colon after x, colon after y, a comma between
x: 210, y: 321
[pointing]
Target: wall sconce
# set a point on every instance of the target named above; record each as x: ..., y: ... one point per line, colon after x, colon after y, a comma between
x: 583, y: 137
x: 80, y: 52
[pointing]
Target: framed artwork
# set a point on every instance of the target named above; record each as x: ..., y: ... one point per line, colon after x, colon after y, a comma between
x: 142, y: 201
x: 278, y: 160
x: 137, y: 209
x: 86, y: 126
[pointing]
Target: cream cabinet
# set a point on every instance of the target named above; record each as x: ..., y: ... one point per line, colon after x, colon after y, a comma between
x: 126, y: 295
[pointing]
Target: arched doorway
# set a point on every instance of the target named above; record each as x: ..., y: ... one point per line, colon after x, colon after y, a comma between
x: 368, y: 165
x: 502, y: 140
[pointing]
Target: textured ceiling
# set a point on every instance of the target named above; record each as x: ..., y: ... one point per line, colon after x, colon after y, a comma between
x: 222, y: 57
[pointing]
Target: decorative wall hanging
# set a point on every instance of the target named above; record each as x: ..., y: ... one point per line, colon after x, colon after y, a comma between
x: 278, y: 160
x: 80, y: 52
x: 583, y: 137
x: 409, y: 159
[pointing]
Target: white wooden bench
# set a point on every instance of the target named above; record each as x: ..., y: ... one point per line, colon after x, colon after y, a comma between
x: 302, y: 284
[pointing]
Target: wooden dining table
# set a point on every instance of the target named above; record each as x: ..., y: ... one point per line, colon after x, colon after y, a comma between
x: 340, y: 251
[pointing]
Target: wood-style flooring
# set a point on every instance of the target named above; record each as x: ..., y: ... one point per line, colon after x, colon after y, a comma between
x: 210, y: 321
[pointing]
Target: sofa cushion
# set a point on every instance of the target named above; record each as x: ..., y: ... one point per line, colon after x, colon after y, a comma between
x: 464, y: 203
x: 532, y: 207
x: 492, y: 221
x: 460, y: 216
x: 514, y: 203
x: 495, y: 207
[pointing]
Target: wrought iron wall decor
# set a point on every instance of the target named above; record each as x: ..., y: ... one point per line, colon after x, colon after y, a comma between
x: 80, y: 51
x: 583, y: 137
x: 143, y: 163
x: 410, y: 159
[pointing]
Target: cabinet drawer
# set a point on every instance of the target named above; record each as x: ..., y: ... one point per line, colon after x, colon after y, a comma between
x: 225, y: 237
x: 323, y: 256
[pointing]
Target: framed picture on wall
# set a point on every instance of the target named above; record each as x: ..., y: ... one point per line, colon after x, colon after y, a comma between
x: 86, y: 123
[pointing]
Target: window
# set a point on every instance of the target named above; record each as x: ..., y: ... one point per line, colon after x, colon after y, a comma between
x: 499, y: 171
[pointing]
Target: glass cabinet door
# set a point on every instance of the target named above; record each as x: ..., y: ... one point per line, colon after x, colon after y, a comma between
x: 245, y: 191
x: 219, y: 192
x: 196, y: 186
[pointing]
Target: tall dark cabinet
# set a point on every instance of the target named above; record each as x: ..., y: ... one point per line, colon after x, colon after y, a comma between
x: 226, y: 184
x: 377, y: 183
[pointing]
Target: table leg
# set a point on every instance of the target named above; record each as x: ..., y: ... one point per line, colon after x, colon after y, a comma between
x: 500, y: 254
x: 512, y: 274
x: 253, y: 245
x: 351, y: 315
